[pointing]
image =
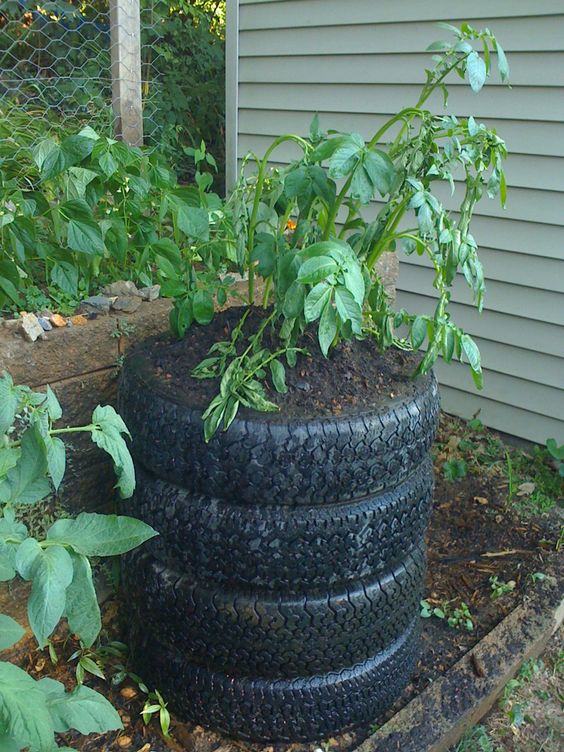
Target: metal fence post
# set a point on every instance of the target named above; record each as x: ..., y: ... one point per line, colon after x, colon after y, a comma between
x: 125, y: 39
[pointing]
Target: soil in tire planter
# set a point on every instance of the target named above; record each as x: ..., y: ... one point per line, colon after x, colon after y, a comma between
x: 311, y: 650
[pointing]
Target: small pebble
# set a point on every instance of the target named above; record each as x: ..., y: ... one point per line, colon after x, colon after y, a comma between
x: 124, y: 741
x: 150, y: 293
x: 129, y: 693
x: 122, y: 287
x: 78, y: 320
x: 45, y: 323
x: 31, y: 329
x: 57, y: 320
x: 127, y: 303
x: 305, y: 386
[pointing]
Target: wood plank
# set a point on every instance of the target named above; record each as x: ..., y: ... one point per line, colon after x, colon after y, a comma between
x: 493, y: 102
x: 543, y: 139
x: 527, y: 69
x: 533, y: 34
x: 266, y: 14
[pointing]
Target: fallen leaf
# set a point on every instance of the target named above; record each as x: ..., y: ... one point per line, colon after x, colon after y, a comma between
x: 481, y: 500
x: 526, y: 489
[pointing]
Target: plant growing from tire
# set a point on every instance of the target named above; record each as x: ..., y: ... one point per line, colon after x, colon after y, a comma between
x: 32, y: 465
x: 280, y: 602
x: 323, y: 271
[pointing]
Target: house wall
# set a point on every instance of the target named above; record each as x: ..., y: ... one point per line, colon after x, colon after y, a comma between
x: 359, y: 62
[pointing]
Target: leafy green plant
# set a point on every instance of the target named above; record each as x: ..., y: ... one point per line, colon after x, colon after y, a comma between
x: 556, y: 451
x: 500, y: 588
x: 89, y: 209
x: 32, y: 464
x: 303, y: 229
x: 475, y: 739
x: 458, y: 618
x: 155, y: 704
x: 454, y: 469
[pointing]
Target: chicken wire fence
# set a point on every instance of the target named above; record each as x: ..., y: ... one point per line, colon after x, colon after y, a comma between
x: 78, y: 63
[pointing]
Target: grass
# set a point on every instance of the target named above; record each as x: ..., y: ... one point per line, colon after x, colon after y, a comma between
x: 528, y: 716
x: 533, y: 483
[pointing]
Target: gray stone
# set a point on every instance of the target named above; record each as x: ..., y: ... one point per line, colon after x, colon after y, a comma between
x: 127, y: 303
x: 95, y: 304
x: 30, y: 327
x: 44, y: 323
x: 120, y: 288
x: 150, y: 293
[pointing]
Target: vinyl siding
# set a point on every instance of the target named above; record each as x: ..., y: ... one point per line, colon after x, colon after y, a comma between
x: 359, y: 62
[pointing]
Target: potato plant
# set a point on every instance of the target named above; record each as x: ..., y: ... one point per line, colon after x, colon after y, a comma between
x: 32, y: 465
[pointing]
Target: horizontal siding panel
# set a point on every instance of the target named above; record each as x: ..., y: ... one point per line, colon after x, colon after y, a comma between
x: 515, y: 34
x: 515, y: 104
x: 524, y: 302
x: 536, y: 398
x: 503, y: 266
x: 493, y: 326
x: 512, y: 420
x: 270, y: 14
x: 543, y: 139
x: 527, y: 69
x: 522, y: 170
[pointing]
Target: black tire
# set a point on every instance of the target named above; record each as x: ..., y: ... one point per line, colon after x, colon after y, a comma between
x: 289, y: 548
x: 250, y: 633
x: 286, y: 710
x: 270, y: 459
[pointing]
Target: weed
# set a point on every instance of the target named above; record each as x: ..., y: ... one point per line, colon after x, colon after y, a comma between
x: 454, y: 469
x: 556, y: 451
x: 123, y: 329
x: 457, y: 618
x: 475, y: 740
x: 500, y: 588
x: 156, y: 704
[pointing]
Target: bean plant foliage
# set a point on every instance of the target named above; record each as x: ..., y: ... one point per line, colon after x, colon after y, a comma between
x: 311, y: 232
x: 32, y: 465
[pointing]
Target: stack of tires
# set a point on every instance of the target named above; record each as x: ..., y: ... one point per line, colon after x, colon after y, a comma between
x: 280, y: 601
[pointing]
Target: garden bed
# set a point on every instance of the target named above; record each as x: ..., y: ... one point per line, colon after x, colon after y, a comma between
x: 477, y: 533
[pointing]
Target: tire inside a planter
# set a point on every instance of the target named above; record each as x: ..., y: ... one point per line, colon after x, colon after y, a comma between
x: 280, y: 601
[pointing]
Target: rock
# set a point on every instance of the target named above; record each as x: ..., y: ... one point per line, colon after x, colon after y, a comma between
x: 57, y: 320
x: 127, y: 303
x: 44, y: 313
x: 95, y: 304
x: 150, y: 293
x: 44, y: 323
x: 30, y: 327
x: 305, y: 386
x: 78, y: 320
x: 123, y: 287
x: 11, y: 323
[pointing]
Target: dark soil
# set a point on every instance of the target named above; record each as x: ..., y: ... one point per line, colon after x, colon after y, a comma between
x: 358, y: 375
x: 475, y: 533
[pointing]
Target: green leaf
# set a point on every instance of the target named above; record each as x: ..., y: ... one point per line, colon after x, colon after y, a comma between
x: 476, y: 70
x: 380, y: 169
x: 418, y: 332
x: 107, y: 164
x: 347, y: 156
x: 26, y: 554
x: 316, y: 269
x: 107, y: 435
x: 318, y: 297
x: 26, y: 482
x: 8, y: 459
x: 85, y: 236
x: 264, y: 252
x: 354, y: 281
x: 10, y: 632
x: 93, y: 534
x: 9, y: 401
x: 294, y: 300
x: 51, y: 573
x: 56, y: 460
x: 502, y: 64
x: 23, y: 711
x: 193, y: 222
x: 327, y: 328
x: 84, y: 709
x: 8, y: 744
x: 202, y: 307
x: 472, y: 352
x: 52, y: 404
x: 278, y: 373
x: 81, y: 608
x: 348, y: 309
x: 65, y: 276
